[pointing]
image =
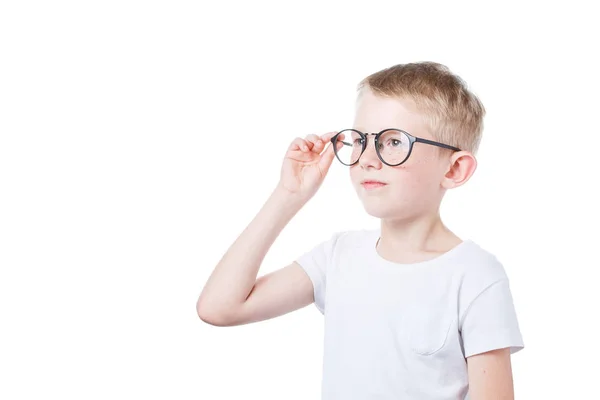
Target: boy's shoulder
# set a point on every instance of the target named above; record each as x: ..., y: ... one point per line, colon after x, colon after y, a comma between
x: 480, y: 263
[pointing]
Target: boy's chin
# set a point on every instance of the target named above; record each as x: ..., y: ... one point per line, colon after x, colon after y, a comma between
x: 388, y: 214
x: 379, y: 210
x: 385, y: 208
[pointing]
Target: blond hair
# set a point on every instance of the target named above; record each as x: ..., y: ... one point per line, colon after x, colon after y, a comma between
x: 451, y: 112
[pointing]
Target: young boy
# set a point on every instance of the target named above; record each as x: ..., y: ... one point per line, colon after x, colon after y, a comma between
x: 411, y: 310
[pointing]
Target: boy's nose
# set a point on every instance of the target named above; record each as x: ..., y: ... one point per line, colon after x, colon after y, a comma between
x: 369, y: 156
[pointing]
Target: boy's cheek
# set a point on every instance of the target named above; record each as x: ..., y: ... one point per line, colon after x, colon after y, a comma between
x: 354, y: 177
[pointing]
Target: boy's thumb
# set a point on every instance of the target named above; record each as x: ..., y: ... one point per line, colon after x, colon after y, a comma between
x: 327, y: 158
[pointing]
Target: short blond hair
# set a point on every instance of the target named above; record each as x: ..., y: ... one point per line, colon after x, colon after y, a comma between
x: 451, y: 112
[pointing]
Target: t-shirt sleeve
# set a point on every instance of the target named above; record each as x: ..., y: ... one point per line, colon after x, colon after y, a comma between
x: 316, y: 263
x: 490, y: 321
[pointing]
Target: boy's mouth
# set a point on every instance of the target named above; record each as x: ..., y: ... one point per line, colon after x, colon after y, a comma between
x: 370, y: 184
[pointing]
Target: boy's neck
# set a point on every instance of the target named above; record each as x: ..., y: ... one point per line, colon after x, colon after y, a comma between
x: 416, y: 240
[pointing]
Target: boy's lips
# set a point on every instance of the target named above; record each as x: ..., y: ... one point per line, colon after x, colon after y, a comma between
x: 372, y: 184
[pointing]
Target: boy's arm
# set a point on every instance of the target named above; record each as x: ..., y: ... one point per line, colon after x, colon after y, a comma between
x: 233, y: 295
x: 490, y: 375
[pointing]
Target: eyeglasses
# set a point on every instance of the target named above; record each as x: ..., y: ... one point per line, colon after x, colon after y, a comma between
x: 393, y: 146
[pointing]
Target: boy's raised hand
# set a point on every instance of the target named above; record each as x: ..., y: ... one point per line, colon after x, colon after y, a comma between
x: 306, y: 164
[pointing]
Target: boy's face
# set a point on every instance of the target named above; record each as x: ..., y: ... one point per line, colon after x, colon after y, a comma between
x: 410, y: 189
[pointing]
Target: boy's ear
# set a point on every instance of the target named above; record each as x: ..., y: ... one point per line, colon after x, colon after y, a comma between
x: 460, y: 168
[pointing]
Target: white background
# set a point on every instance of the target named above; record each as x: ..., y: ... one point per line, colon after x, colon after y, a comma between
x: 116, y: 200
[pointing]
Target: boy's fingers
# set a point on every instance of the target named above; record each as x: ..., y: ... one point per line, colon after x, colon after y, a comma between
x: 312, y: 142
x: 321, y: 141
x: 316, y: 148
x: 327, y: 136
x: 339, y: 142
x: 312, y: 138
x: 297, y: 155
x: 326, y: 158
x: 299, y: 144
x: 319, y: 146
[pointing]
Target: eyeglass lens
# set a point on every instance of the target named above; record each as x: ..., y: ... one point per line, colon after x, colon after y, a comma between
x: 393, y: 146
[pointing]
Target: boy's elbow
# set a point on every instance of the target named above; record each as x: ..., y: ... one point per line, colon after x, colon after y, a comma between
x: 212, y: 316
x: 212, y: 319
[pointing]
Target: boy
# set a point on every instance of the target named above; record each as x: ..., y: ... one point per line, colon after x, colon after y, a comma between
x: 411, y: 310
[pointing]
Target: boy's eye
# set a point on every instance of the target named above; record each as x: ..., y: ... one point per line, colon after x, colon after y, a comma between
x: 393, y: 142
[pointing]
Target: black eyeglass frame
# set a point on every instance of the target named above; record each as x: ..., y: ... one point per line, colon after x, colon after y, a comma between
x: 412, y: 140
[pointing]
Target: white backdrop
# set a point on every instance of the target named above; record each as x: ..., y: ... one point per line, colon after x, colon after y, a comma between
x: 116, y: 200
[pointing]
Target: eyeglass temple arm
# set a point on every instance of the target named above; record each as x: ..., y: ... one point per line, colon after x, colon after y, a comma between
x: 437, y: 144
x: 346, y: 143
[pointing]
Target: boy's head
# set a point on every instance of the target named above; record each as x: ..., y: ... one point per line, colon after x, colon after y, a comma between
x: 429, y: 102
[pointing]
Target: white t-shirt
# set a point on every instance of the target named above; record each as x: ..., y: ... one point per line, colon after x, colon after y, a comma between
x: 403, y: 331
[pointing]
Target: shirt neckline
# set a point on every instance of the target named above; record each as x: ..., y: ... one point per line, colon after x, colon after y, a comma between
x: 440, y: 259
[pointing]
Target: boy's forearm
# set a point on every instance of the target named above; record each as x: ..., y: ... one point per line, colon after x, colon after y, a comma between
x: 234, y: 276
